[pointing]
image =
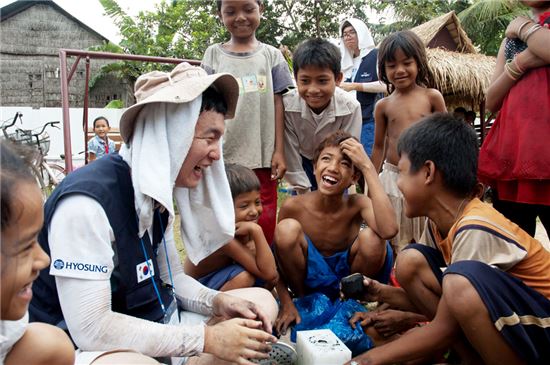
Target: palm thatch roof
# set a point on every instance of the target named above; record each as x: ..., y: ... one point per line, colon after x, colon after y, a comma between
x: 445, y: 31
x: 457, y: 70
x: 462, y: 78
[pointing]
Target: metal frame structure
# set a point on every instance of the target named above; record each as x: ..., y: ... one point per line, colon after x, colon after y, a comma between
x: 66, y: 79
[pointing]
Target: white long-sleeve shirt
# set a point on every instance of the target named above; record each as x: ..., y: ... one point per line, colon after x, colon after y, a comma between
x: 80, y: 232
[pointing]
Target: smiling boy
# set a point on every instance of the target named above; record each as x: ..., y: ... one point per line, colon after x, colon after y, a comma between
x: 492, y: 301
x: 315, y: 110
x: 247, y: 259
x: 318, y: 238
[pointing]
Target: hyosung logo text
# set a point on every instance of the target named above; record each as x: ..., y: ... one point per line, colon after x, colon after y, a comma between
x: 78, y: 266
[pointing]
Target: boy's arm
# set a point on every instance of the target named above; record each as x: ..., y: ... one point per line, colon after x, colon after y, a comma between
x: 423, y: 341
x: 380, y: 125
x: 278, y: 164
x: 263, y: 264
x: 378, y: 211
x: 436, y: 100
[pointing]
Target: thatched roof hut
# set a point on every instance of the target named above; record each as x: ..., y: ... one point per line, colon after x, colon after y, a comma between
x: 445, y: 32
x: 462, y: 78
x: 458, y: 70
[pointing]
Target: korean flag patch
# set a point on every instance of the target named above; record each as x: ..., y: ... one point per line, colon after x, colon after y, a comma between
x: 145, y: 270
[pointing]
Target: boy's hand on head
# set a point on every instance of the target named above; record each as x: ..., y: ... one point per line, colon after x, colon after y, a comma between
x: 356, y: 152
x: 278, y: 166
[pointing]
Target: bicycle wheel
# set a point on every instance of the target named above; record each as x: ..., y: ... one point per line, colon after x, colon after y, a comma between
x: 37, y: 172
x: 57, y: 173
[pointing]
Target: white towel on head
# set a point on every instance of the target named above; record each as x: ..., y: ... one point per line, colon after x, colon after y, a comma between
x: 364, y: 40
x: 162, y: 137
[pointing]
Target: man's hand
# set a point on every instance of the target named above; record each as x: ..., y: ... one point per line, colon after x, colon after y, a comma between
x: 228, y: 306
x: 278, y: 166
x: 238, y: 340
x: 287, y: 315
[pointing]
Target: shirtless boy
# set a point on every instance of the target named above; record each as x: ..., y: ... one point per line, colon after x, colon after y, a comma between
x: 318, y: 239
x: 403, y: 67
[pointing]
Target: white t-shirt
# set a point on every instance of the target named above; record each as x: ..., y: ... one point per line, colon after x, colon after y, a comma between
x: 10, y: 333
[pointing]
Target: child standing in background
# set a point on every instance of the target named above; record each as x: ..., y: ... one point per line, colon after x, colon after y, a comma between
x: 248, y: 257
x: 21, y: 259
x: 403, y: 67
x: 100, y: 145
x: 255, y: 137
x: 317, y: 109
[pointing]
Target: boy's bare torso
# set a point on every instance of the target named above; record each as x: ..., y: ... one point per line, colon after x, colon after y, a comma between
x: 331, y: 230
x: 400, y: 112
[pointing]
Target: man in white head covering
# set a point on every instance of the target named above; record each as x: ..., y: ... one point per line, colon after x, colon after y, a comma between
x: 360, y: 73
x: 116, y: 276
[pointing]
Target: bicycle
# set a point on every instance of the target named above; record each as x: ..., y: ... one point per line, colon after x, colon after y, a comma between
x: 48, y: 175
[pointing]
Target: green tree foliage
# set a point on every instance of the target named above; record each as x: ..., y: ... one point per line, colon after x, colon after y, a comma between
x: 485, y: 22
x: 185, y: 28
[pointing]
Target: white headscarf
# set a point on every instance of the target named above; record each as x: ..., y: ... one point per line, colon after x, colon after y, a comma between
x: 365, y: 42
x: 161, y: 139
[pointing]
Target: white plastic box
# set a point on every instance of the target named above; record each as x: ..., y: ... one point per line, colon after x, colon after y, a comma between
x: 320, y: 347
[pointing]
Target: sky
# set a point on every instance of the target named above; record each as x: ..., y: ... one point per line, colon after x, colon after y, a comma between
x: 90, y: 12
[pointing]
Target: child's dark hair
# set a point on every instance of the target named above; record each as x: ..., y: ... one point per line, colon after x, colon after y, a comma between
x: 317, y: 52
x: 219, y: 4
x: 213, y: 100
x: 15, y: 162
x: 101, y: 118
x: 334, y: 140
x: 241, y: 179
x: 411, y: 46
x: 450, y: 144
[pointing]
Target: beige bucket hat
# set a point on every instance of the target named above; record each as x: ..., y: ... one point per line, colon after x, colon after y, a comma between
x: 183, y: 84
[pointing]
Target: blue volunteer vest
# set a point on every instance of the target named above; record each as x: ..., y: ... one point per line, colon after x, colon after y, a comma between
x: 109, y: 182
x: 367, y: 73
